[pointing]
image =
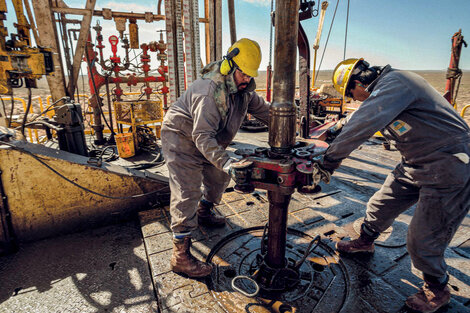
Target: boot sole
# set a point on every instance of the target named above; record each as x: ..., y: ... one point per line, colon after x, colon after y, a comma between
x: 354, y: 251
x: 437, y: 309
x: 190, y: 276
x: 212, y: 225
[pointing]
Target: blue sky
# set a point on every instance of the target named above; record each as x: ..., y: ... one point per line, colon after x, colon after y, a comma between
x: 408, y: 34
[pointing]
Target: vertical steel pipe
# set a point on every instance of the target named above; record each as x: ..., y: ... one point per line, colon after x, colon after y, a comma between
x: 207, y: 27
x: 231, y: 19
x: 277, y: 229
x: 282, y: 121
x: 282, y: 112
x: 304, y: 82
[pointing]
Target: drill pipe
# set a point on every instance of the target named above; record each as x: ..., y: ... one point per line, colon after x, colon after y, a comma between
x: 282, y: 112
x: 282, y: 121
x: 277, y: 229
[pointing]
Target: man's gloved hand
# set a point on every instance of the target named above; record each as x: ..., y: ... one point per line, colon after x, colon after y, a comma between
x: 327, y: 167
x: 240, y: 173
x: 227, y: 167
x: 335, y: 130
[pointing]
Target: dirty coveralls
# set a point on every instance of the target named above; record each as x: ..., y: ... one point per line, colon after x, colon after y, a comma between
x: 196, y: 130
x: 434, y: 142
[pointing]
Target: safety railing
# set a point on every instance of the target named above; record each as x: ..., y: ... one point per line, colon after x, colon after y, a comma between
x: 87, y: 114
x: 30, y: 137
x: 464, y: 109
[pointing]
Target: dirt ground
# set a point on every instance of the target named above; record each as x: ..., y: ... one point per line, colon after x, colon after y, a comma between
x: 435, y: 78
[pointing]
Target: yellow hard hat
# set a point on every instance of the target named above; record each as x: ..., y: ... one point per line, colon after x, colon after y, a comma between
x: 247, y: 58
x: 342, y: 74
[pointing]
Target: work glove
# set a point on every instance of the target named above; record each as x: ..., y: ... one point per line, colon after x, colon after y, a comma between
x: 336, y: 129
x: 327, y: 166
x: 227, y: 167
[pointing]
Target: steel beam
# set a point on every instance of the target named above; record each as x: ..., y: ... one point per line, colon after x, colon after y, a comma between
x: 48, y: 38
x: 127, y: 15
x: 137, y: 16
x: 81, y: 43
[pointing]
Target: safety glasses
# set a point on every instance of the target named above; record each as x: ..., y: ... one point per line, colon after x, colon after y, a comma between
x: 243, y: 75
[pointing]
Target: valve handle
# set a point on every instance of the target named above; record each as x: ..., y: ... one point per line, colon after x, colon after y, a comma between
x: 114, y: 40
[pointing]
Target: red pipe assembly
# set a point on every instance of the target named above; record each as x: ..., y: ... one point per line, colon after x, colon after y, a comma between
x: 96, y: 80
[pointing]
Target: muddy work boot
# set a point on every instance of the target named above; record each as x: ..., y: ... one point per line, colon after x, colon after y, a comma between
x: 364, y: 244
x: 206, y: 215
x: 429, y: 298
x: 183, y: 262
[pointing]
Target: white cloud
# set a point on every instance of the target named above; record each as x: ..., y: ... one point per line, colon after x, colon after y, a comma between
x: 261, y: 3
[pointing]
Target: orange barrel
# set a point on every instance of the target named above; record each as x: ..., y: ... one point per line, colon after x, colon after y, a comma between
x: 158, y: 131
x: 125, y: 145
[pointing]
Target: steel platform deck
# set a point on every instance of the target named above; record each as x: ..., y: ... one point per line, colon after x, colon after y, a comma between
x: 379, y: 283
x: 125, y: 267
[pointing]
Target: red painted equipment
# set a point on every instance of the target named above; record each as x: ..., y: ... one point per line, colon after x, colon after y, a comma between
x: 114, y: 40
x: 263, y: 169
x: 453, y: 72
x: 116, y: 67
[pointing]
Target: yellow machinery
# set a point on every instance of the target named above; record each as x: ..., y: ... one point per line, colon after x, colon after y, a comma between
x: 18, y: 60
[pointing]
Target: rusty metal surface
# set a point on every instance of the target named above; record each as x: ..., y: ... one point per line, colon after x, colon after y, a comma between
x: 48, y: 38
x: 304, y: 82
x: 80, y: 48
x: 282, y: 121
x: 7, y: 235
x: 213, y: 12
x: 323, y: 286
x: 231, y: 18
x: 43, y: 204
x: 379, y: 283
x: 148, y: 16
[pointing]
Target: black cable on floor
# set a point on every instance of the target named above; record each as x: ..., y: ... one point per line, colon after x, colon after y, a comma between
x: 78, y: 185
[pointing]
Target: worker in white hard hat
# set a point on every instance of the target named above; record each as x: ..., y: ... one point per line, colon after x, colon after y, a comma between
x: 434, y: 173
x: 196, y: 130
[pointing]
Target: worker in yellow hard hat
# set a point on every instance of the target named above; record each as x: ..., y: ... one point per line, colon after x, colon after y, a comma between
x: 347, y: 69
x: 244, y: 55
x: 196, y: 130
x: 434, y: 172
